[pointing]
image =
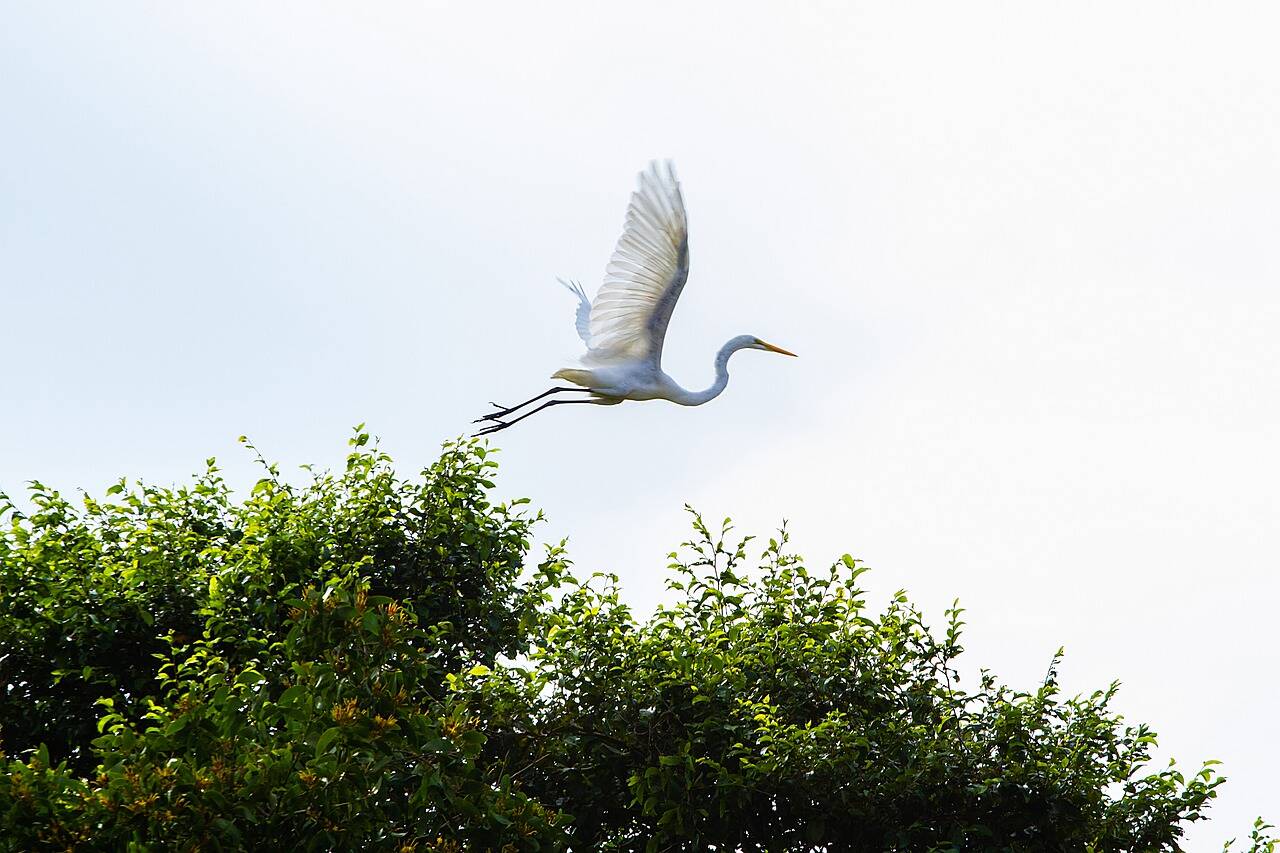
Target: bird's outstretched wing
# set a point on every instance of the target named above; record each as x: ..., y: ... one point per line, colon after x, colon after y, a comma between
x: 582, y: 320
x: 644, y: 278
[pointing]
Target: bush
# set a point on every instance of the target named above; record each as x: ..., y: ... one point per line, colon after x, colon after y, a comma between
x: 361, y: 662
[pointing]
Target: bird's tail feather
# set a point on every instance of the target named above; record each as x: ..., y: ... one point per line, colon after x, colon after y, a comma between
x: 577, y: 377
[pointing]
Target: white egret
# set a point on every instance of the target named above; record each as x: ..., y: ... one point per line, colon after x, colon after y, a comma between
x: 624, y: 327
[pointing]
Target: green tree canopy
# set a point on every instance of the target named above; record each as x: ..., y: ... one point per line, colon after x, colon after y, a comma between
x: 366, y: 661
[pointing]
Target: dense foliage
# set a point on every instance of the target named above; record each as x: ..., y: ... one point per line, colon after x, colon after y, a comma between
x: 364, y: 662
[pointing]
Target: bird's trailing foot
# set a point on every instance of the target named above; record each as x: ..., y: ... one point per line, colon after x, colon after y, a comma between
x: 501, y: 411
x: 493, y: 427
x: 499, y: 424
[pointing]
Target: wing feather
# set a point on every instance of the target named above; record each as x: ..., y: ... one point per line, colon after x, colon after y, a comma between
x: 646, y: 273
x: 582, y: 319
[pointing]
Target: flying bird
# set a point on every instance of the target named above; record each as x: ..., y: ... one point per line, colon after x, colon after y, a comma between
x: 625, y: 325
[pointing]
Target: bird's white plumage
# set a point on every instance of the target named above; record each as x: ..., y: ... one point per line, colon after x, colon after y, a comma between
x: 649, y: 267
x: 582, y: 319
x: 625, y: 326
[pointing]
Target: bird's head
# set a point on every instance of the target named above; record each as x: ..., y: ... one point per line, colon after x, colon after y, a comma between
x: 756, y: 343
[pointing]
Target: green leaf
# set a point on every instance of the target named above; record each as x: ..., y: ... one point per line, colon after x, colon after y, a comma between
x: 250, y: 677
x: 326, y: 740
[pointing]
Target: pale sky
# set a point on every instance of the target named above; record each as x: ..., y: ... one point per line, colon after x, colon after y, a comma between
x: 1027, y: 253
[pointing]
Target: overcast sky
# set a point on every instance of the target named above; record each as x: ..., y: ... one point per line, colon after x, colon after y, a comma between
x: 1027, y: 253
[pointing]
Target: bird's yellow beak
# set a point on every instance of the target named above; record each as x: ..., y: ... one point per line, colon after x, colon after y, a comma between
x: 771, y: 348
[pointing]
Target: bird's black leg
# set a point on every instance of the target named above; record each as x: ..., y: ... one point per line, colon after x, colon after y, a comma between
x: 501, y: 413
x: 501, y: 425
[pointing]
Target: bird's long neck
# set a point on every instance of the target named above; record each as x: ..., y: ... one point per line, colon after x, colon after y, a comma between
x: 697, y: 398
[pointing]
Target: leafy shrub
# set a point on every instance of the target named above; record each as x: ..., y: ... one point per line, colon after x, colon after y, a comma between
x: 361, y: 662
x: 250, y: 676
